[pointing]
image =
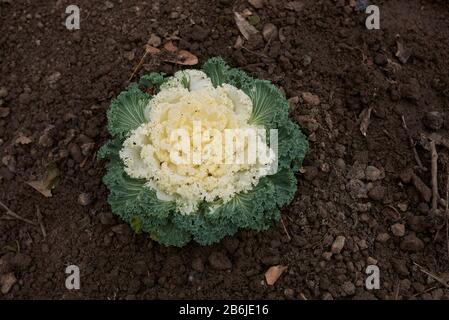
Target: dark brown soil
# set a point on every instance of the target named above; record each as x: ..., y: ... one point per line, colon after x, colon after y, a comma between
x: 59, y: 84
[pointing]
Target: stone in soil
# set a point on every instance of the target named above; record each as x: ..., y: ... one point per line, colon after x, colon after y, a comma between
x: 3, y: 92
x: 6, y: 282
x: 154, y: 40
x: 76, y: 153
x: 383, y: 237
x: 270, y: 32
x: 398, y: 229
x: 338, y: 244
x: 85, y: 199
x: 122, y: 229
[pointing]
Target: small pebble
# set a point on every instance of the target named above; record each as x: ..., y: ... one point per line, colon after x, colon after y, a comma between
x: 338, y: 244
x: 84, y: 199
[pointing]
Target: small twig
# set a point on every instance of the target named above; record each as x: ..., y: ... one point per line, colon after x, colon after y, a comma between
x: 447, y: 212
x: 15, y: 215
x: 138, y: 65
x: 396, y: 293
x: 434, y: 170
x: 412, y: 144
x: 425, y: 191
x: 285, y: 229
x: 388, y: 134
x: 39, y: 220
x: 255, y: 53
x: 425, y: 291
x: 435, y: 277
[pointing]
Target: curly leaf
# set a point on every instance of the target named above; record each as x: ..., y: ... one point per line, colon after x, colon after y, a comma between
x: 285, y: 185
x: 216, y: 69
x: 267, y: 101
x: 152, y: 81
x: 137, y: 204
x: 110, y: 150
x: 127, y: 111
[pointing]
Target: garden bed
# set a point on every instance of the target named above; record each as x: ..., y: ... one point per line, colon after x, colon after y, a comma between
x: 357, y: 202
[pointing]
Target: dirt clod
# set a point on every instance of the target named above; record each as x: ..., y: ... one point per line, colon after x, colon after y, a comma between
x: 412, y: 243
x: 219, y: 261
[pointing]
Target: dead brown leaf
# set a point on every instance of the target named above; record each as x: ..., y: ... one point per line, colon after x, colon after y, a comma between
x: 245, y: 28
x: 170, y: 47
x: 238, y: 43
x: 186, y: 58
x: 365, y: 118
x: 402, y: 53
x: 48, y: 182
x: 273, y: 273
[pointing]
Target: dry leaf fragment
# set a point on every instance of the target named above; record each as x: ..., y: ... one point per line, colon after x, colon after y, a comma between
x: 170, y: 47
x: 40, y: 187
x: 365, y: 117
x: 245, y: 28
x: 186, y: 58
x: 151, y: 50
x: 48, y: 182
x: 273, y: 273
x: 238, y: 43
x: 402, y: 53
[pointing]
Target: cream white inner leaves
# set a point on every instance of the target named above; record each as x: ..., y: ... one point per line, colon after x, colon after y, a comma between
x: 197, y: 144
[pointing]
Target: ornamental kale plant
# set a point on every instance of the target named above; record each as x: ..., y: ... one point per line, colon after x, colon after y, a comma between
x: 157, y: 182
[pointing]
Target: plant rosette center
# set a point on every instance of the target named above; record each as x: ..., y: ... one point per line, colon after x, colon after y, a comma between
x: 197, y: 144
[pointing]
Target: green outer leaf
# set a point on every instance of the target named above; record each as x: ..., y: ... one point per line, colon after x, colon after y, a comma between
x: 152, y: 81
x: 256, y: 209
x: 266, y: 102
x: 217, y: 71
x: 110, y: 150
x: 127, y: 111
x: 284, y: 183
